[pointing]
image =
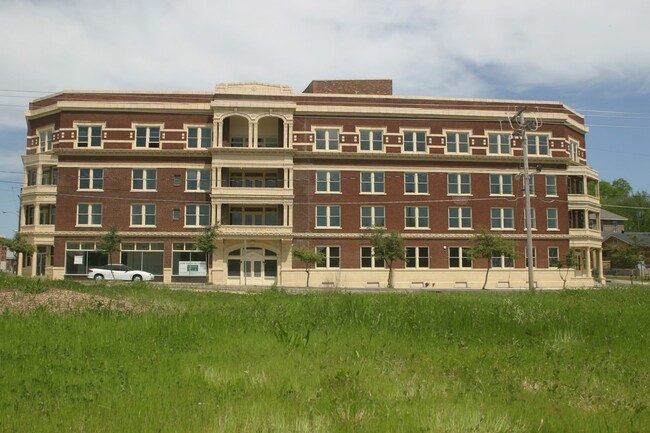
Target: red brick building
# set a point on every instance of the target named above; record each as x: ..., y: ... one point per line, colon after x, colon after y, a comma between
x: 276, y: 168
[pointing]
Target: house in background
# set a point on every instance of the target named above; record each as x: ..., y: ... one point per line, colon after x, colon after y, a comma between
x: 322, y: 168
x: 611, y: 222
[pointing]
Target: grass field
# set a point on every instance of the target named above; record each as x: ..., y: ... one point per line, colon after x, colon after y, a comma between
x: 147, y: 359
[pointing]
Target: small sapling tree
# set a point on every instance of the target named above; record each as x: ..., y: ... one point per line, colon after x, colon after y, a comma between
x: 206, y: 242
x: 108, y: 243
x: 387, y: 246
x: 486, y: 245
x: 567, y: 263
x: 309, y: 257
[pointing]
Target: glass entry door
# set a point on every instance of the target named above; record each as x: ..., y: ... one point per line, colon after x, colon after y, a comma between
x: 254, y: 267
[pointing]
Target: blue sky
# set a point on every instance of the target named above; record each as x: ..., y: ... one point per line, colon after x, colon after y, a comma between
x: 592, y: 55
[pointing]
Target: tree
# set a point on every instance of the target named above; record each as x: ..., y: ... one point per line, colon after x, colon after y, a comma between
x: 620, y: 198
x: 486, y: 245
x: 569, y: 261
x: 18, y: 245
x: 628, y: 256
x: 108, y: 243
x: 387, y: 246
x: 309, y: 257
x: 206, y: 242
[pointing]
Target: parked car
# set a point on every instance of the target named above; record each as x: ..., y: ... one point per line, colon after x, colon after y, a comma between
x: 118, y: 272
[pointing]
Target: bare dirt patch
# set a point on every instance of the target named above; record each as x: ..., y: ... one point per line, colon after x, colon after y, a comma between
x: 58, y: 300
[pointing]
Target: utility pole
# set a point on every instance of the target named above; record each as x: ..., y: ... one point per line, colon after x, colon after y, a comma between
x: 521, y: 132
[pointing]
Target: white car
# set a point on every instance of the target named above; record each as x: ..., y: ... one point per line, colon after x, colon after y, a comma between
x: 118, y: 272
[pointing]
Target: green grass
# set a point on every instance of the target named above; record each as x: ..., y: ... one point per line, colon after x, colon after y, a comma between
x: 565, y: 361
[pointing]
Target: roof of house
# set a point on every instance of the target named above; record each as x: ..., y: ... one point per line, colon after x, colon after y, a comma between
x: 611, y: 216
x: 643, y: 238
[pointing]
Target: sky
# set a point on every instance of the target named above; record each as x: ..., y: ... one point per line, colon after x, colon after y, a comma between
x: 592, y: 55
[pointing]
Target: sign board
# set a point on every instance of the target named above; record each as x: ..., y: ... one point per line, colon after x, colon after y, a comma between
x: 192, y: 269
x: 78, y: 260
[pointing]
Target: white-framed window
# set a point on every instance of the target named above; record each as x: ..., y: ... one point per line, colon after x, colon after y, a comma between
x: 460, y: 217
x: 499, y: 143
x: 502, y: 218
x: 29, y: 211
x: 531, y: 184
x: 415, y: 141
x: 89, y: 214
x: 553, y: 257
x: 534, y: 257
x: 147, y: 137
x: 143, y: 215
x: 416, y: 183
x: 328, y: 181
x: 573, y: 150
x: 552, y: 219
x: 254, y: 215
x: 373, y: 216
x: 457, y: 142
x: 239, y: 141
x: 537, y: 144
x: 551, y: 185
x: 372, y: 182
x: 372, y: 140
x: 47, y: 214
x: 197, y: 180
x: 416, y: 217
x: 50, y: 175
x: 332, y: 257
x: 199, y: 137
x: 500, y: 184
x: 459, y: 184
x: 460, y: 258
x: 197, y: 215
x: 327, y: 139
x: 144, y: 179
x: 328, y: 216
x: 368, y: 259
x: 91, y: 179
x: 45, y: 139
x: 502, y: 262
x: 89, y: 136
x: 533, y: 220
x: 32, y: 176
x: 417, y: 257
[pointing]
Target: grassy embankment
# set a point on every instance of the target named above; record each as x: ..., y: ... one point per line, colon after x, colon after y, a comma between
x: 569, y: 361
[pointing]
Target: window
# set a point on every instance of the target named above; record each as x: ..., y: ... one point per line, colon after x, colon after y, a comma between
x: 500, y: 184
x: 143, y: 215
x: 199, y: 137
x: 239, y: 141
x: 551, y: 185
x: 499, y: 144
x: 327, y: 139
x: 143, y: 179
x: 47, y: 214
x: 31, y: 177
x: 89, y: 136
x: 537, y: 144
x: 188, y: 260
x: 89, y: 214
x: 50, y: 176
x: 372, y: 140
x: 197, y: 180
x: 373, y: 216
x: 532, y: 219
x: 368, y: 259
x: 372, y: 182
x: 328, y: 216
x: 416, y: 183
x: 553, y: 257
x: 531, y: 184
x: 551, y: 219
x: 415, y: 141
x: 460, y: 217
x: 328, y: 181
x: 332, y: 257
x: 255, y: 216
x: 457, y: 142
x: 197, y: 215
x: 91, y: 178
x: 416, y: 217
x: 176, y: 214
x: 81, y: 256
x: 573, y: 150
x: 29, y: 215
x: 502, y: 218
x: 459, y: 257
x: 459, y: 184
x: 417, y: 257
x: 502, y: 261
x: 144, y: 255
x: 178, y: 181
x: 147, y: 136
x: 45, y: 139
x: 534, y: 257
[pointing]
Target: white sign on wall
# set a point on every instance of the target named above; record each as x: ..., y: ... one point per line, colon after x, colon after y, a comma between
x: 192, y: 269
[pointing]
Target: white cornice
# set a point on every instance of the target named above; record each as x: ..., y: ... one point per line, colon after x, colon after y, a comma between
x: 118, y: 106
